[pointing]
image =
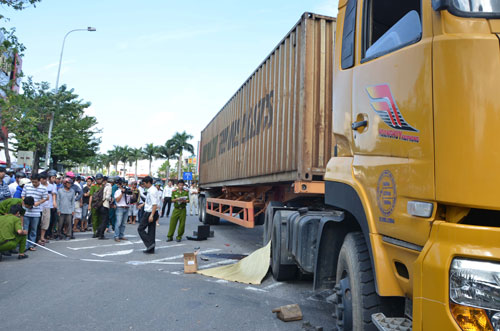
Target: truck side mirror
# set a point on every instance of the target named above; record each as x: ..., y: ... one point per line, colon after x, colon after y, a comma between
x: 438, y: 5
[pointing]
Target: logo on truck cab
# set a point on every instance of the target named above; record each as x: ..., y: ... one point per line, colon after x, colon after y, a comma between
x: 384, y: 104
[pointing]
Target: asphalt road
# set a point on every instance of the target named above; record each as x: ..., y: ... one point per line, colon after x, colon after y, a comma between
x: 104, y: 285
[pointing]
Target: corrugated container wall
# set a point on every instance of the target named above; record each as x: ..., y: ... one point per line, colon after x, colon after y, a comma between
x: 278, y: 126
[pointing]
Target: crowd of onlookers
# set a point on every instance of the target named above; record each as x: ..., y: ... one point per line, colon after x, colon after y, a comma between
x: 52, y: 206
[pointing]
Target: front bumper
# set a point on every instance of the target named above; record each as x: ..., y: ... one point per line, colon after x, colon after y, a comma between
x: 431, y: 305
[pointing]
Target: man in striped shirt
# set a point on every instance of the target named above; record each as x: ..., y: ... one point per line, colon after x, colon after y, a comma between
x: 32, y: 215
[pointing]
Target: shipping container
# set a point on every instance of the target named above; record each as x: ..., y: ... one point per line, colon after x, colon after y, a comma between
x: 277, y: 127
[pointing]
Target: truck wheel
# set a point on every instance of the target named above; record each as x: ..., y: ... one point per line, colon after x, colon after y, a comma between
x: 280, y: 270
x: 268, y: 221
x: 206, y: 218
x: 357, y: 299
x: 201, y: 207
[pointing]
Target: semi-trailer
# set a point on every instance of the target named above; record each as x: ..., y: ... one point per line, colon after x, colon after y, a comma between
x: 364, y: 146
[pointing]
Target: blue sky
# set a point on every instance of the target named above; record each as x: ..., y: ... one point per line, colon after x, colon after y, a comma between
x: 157, y: 67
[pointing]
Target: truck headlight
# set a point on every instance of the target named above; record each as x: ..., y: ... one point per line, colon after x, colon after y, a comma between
x: 475, y: 294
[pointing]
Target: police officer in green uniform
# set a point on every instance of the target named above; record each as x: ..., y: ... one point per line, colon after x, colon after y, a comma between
x: 5, y: 207
x: 6, y: 204
x: 12, y: 233
x: 95, y: 212
x: 180, y: 198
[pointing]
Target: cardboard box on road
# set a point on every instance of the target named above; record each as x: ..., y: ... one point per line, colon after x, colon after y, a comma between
x: 190, y: 263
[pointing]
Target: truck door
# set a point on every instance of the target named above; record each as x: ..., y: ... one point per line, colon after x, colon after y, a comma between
x: 392, y: 113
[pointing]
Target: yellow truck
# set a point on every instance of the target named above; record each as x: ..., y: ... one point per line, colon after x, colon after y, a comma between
x: 365, y: 146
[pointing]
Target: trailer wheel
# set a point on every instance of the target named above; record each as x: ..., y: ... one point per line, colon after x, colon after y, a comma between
x: 280, y: 270
x: 357, y: 299
x: 268, y: 221
x: 206, y: 218
x: 201, y: 208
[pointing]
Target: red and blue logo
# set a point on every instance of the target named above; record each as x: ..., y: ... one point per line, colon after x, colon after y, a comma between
x: 383, y: 103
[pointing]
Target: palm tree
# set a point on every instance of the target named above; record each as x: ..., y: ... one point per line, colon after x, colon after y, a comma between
x: 136, y: 154
x: 150, y: 151
x: 124, y: 154
x: 106, y: 161
x: 114, y: 156
x: 95, y: 162
x: 166, y: 152
x: 179, y: 143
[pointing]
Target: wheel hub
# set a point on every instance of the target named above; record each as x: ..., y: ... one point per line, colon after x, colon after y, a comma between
x: 344, y: 304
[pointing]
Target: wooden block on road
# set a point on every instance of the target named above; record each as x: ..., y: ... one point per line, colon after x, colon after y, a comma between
x: 289, y: 313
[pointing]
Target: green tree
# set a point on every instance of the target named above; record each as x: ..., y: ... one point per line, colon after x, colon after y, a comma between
x: 136, y: 154
x: 27, y: 117
x: 178, y: 144
x: 150, y: 152
x: 124, y: 153
x: 18, y: 4
x: 114, y: 156
x: 11, y: 50
x: 106, y: 161
x: 166, y: 152
x: 164, y: 169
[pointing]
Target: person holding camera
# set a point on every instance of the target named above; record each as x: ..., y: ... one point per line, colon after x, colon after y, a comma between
x: 134, y: 201
x: 122, y: 196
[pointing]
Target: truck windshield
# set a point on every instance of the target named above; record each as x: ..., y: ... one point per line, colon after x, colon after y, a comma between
x: 476, y: 8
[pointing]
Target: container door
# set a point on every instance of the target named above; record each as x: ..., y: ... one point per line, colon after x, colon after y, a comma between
x: 392, y: 114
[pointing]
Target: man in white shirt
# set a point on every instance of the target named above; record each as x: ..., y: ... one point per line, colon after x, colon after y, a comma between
x: 193, y: 199
x: 150, y: 216
x: 167, y: 198
x: 13, y: 186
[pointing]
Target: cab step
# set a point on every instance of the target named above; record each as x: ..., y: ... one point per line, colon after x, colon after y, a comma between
x: 391, y: 323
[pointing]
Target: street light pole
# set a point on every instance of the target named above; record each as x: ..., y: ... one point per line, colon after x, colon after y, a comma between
x: 51, y: 124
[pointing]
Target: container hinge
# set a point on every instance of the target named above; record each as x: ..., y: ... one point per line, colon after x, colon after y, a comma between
x: 391, y: 323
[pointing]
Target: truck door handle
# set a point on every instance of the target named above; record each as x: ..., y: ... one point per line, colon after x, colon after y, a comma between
x: 359, y: 124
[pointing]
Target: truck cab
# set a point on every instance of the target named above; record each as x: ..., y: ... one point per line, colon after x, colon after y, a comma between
x: 415, y: 115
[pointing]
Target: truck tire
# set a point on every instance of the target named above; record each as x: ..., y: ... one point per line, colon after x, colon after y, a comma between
x: 206, y: 218
x: 357, y: 299
x: 268, y: 221
x: 281, y: 271
x: 201, y: 207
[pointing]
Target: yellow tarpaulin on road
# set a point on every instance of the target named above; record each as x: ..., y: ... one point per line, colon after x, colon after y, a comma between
x: 250, y: 270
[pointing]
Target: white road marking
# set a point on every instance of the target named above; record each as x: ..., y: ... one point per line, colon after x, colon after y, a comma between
x: 158, y: 261
x: 50, y: 250
x: 125, y: 243
x: 92, y: 260
x: 160, y: 247
x: 75, y: 240
x: 251, y: 288
x: 130, y: 236
x: 206, y: 266
x: 128, y: 251
x: 176, y: 272
x: 272, y: 286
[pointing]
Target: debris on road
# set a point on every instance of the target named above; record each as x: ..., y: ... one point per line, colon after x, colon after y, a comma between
x: 190, y: 263
x: 250, y: 270
x: 203, y: 233
x: 307, y: 326
x: 288, y: 313
x: 226, y: 256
